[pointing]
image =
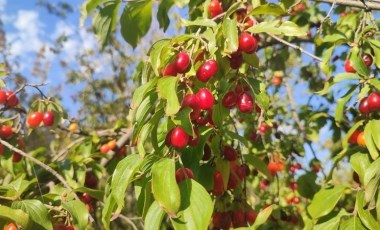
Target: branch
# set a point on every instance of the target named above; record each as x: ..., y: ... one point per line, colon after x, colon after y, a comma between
x: 44, y: 166
x: 296, y: 47
x: 359, y: 4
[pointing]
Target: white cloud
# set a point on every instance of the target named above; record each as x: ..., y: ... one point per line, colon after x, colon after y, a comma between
x: 27, y: 37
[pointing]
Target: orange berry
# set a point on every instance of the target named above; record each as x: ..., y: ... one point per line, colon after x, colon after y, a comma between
x: 111, y: 144
x: 361, y: 139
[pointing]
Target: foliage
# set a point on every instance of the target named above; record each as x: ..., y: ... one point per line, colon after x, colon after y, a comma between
x: 222, y: 116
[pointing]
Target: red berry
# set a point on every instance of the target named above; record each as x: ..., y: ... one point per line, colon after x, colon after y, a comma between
x: 6, y: 131
x: 11, y: 99
x: 207, y: 70
x: 48, y: 118
x: 179, y: 138
x: 245, y: 103
x: 238, y: 219
x: 298, y: 166
x: 293, y: 186
x: 316, y: 168
x: 229, y: 153
x: 273, y: 168
x: 121, y: 152
x: 170, y: 70
x: 10, y: 226
x: 348, y: 67
x: 354, y: 137
x: 221, y: 220
x: 264, y: 184
x: 363, y: 106
x: 180, y: 174
x: 239, y: 89
x: 215, y: 8
x: 104, y: 149
x: 3, y: 97
x: 292, y: 169
x: 218, y: 188
x: 264, y: 128
x: 191, y: 100
x: 86, y: 198
x: 247, y: 43
x: 34, y: 119
x: 91, y: 181
x: 374, y: 101
x: 276, y: 81
x: 250, y: 216
x: 182, y: 62
x: 16, y: 157
x: 367, y: 59
x: 245, y: 169
x: 205, y: 98
x: 236, y: 61
x: 206, y: 153
x: 296, y: 200
x: 200, y: 57
x: 229, y: 100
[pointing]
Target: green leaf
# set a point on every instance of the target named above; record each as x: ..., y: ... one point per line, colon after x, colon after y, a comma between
x: 154, y: 217
x: 104, y: 20
x: 375, y: 83
x: 262, y: 100
x: 37, y: 211
x: 86, y: 9
x: 230, y: 33
x: 252, y: 59
x: 97, y: 194
x: 258, y: 164
x: 135, y: 20
x: 287, y: 28
x: 307, y: 186
x: 219, y: 114
x: 325, y: 200
x: 360, y: 163
x: 351, y: 223
x: 121, y: 178
x: 357, y: 62
x: 331, y: 221
x: 199, y: 22
x: 167, y: 89
x: 346, y: 76
x: 78, y: 212
x: 162, y: 13
x: 365, y: 215
x: 334, y: 38
x: 164, y: 186
x: 155, y: 54
x: 182, y: 118
x: 268, y: 9
x: 375, y: 45
x: 341, y: 103
x: 15, y: 215
x: 374, y: 128
x: 143, y: 112
x: 369, y: 142
x: 263, y: 216
x: 196, y: 207
x: 236, y: 136
x: 372, y: 180
x: 325, y: 64
x: 140, y: 93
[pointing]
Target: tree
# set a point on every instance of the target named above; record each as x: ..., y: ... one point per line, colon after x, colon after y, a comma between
x: 225, y: 128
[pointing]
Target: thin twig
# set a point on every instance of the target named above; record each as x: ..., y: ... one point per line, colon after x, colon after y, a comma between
x: 295, y: 47
x: 121, y: 216
x: 359, y: 4
x: 293, y: 107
